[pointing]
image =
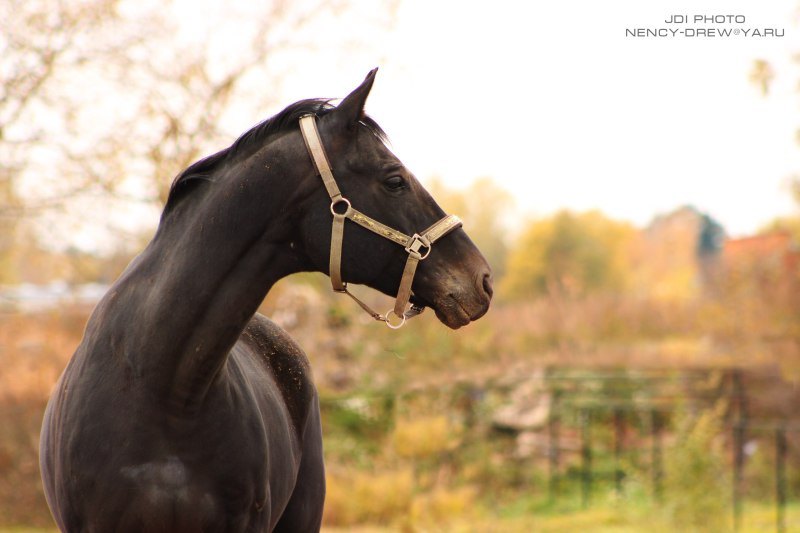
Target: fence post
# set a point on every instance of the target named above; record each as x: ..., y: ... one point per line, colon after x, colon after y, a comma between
x: 619, y: 435
x: 586, y: 453
x: 739, y: 424
x: 553, y: 426
x: 780, y: 478
x: 656, y: 456
x: 738, y: 466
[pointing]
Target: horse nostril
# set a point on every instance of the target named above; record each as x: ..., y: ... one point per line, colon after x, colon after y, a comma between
x: 487, y: 284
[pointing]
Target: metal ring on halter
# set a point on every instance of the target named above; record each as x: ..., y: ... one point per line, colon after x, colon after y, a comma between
x: 392, y: 326
x: 339, y: 200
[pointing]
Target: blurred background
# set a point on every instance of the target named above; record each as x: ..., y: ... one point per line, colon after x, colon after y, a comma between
x: 636, y: 196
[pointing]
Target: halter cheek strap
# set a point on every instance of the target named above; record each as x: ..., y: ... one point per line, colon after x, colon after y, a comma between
x: 418, y: 246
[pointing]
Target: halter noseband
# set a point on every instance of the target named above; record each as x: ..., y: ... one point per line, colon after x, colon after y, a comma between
x: 418, y: 245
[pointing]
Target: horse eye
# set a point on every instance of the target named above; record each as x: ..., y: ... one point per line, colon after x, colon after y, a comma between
x: 394, y: 183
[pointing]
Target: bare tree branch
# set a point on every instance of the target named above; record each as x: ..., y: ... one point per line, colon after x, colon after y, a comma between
x: 96, y: 102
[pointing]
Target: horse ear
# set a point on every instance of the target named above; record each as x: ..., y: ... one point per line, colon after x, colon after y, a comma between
x: 351, y: 110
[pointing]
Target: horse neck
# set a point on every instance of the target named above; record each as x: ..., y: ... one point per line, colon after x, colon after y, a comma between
x: 185, y: 302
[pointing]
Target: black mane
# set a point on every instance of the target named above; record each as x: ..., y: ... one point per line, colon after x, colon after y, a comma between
x: 284, y: 121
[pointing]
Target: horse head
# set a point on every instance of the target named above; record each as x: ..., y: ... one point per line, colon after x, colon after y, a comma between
x: 452, y: 277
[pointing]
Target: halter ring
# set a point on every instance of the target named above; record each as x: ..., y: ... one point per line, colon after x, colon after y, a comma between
x: 340, y: 200
x: 393, y: 326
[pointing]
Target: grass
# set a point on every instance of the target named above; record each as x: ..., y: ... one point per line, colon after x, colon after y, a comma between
x: 23, y: 529
x: 525, y: 515
x: 603, y: 519
x: 408, y: 446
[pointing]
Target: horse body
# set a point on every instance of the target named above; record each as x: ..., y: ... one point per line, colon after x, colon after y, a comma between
x: 181, y: 410
x: 184, y: 410
x: 131, y: 465
x: 149, y: 431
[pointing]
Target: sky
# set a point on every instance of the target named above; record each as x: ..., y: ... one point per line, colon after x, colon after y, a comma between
x: 555, y: 103
x: 552, y: 100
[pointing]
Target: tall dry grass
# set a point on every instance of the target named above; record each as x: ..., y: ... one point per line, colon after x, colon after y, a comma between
x: 33, y: 351
x: 425, y: 475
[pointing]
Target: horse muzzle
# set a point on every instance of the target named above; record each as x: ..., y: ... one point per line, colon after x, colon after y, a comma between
x: 457, y: 304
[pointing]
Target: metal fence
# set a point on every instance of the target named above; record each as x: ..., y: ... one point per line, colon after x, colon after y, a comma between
x: 622, y: 399
x: 607, y: 415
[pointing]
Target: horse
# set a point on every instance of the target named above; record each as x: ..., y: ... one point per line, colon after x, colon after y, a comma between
x: 183, y: 409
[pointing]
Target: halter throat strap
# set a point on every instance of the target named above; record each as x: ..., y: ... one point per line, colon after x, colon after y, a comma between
x: 418, y: 246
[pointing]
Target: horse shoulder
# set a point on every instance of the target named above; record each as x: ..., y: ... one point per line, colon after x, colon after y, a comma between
x: 287, y: 364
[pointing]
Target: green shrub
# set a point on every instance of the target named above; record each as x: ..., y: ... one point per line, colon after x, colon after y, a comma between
x: 697, y: 485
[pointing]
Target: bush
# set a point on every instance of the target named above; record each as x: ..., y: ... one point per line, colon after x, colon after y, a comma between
x: 424, y: 437
x: 697, y: 482
x: 357, y: 497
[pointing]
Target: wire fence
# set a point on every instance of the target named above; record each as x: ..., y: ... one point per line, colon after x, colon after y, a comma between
x: 624, y: 400
x: 601, y: 421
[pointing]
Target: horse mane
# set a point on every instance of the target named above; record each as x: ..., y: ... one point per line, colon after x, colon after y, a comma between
x: 202, y: 170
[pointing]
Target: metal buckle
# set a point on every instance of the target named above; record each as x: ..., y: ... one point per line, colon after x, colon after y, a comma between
x: 338, y: 201
x: 417, y: 242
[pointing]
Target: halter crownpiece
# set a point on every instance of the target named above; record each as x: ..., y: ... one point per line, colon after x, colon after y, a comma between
x: 418, y: 246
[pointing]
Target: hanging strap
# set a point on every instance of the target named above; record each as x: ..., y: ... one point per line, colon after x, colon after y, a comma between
x: 417, y: 246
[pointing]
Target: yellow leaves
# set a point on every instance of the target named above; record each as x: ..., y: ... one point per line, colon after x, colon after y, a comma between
x: 761, y: 75
x: 485, y: 209
x: 389, y: 497
x: 357, y: 497
x: 569, y: 253
x: 676, y: 284
x: 441, y: 506
x: 424, y: 437
x: 401, y: 494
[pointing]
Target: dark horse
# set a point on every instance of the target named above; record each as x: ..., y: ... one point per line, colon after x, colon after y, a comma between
x: 184, y: 410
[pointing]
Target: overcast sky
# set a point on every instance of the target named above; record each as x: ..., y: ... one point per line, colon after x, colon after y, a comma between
x: 561, y: 108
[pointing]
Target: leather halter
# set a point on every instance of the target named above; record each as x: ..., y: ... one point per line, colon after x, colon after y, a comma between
x: 418, y: 246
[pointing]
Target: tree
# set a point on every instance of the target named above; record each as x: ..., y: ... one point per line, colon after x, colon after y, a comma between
x: 39, y: 41
x: 570, y: 255
x: 484, y: 207
x: 102, y: 102
x: 761, y: 75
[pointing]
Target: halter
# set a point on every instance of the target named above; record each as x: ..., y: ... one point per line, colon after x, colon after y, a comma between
x: 417, y: 246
